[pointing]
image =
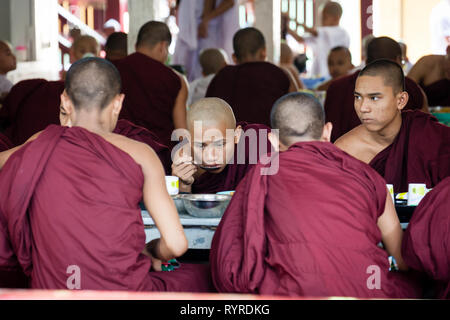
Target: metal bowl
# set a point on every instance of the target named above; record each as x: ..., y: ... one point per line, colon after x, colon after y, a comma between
x: 206, y: 205
x: 179, y: 204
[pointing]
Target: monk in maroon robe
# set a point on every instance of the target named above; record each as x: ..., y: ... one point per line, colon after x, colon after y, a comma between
x: 253, y: 85
x: 426, y: 243
x: 339, y: 102
x: 30, y: 107
x: 155, y: 95
x: 219, y: 152
x: 72, y: 215
x: 312, y: 228
x: 404, y: 147
x: 433, y: 74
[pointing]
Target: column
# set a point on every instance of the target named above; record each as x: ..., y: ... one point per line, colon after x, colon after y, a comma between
x: 140, y: 12
x: 268, y: 21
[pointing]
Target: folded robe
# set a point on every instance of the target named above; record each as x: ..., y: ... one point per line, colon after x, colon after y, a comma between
x: 419, y: 154
x: 73, y: 204
x: 132, y: 131
x: 438, y: 93
x: 310, y: 230
x: 340, y: 106
x: 426, y: 242
x: 151, y: 89
x: 229, y: 178
x: 30, y: 107
x: 250, y: 89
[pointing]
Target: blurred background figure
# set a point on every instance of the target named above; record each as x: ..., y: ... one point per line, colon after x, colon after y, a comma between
x: 339, y: 64
x: 287, y: 63
x: 7, y: 64
x: 110, y: 27
x: 116, y: 46
x: 440, y: 27
x: 406, y: 64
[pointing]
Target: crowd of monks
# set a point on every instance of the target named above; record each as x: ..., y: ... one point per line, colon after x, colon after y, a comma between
x: 79, y: 156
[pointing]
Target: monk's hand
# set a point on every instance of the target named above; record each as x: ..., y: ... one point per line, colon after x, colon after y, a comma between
x: 203, y: 28
x: 184, y: 169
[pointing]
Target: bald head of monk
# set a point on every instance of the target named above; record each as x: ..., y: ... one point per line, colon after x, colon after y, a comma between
x: 116, y: 46
x: 299, y: 117
x: 380, y: 96
x: 212, y: 60
x: 384, y: 48
x: 339, y: 62
x: 331, y: 14
x: 92, y: 98
x: 7, y: 58
x: 153, y: 40
x: 249, y: 45
x: 212, y: 128
x: 84, y: 46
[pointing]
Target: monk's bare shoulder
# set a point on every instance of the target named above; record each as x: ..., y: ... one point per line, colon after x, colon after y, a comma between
x: 355, y: 143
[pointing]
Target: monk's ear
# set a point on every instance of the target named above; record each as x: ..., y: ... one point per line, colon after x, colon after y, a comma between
x: 66, y: 103
x: 263, y: 54
x: 274, y: 141
x: 402, y: 100
x: 326, y: 132
x: 118, y: 102
x: 237, y: 134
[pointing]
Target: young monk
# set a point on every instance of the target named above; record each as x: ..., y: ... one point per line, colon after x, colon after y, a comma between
x: 433, y: 74
x: 72, y: 216
x: 216, y: 159
x: 7, y: 64
x: 339, y: 65
x: 116, y: 46
x: 287, y: 63
x: 301, y: 232
x: 84, y: 46
x: 404, y: 147
x: 339, y: 100
x: 155, y: 95
x: 426, y: 243
x: 253, y: 85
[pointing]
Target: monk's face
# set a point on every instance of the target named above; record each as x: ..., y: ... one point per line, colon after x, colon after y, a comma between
x: 7, y: 59
x: 83, y: 47
x: 339, y: 63
x: 376, y: 103
x: 211, y: 147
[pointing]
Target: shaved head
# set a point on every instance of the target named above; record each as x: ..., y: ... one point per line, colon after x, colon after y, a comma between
x: 390, y: 71
x: 298, y: 117
x: 116, y: 46
x: 212, y: 60
x: 152, y: 33
x: 83, y: 45
x: 247, y: 42
x: 92, y: 83
x: 383, y: 48
x: 211, y: 110
x: 333, y: 9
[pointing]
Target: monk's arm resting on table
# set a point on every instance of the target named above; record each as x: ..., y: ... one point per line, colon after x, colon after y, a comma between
x: 4, y: 156
x: 179, y: 109
x: 391, y: 232
x: 173, y: 242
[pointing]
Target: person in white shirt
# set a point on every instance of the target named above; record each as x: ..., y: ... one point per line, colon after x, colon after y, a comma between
x: 440, y: 27
x: 324, y: 38
x: 7, y: 64
x: 211, y: 60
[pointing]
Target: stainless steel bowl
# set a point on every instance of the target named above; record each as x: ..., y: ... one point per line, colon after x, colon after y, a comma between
x: 206, y: 205
x: 179, y: 204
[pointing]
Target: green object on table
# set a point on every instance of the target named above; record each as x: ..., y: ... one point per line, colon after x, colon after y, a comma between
x: 443, y: 117
x: 170, y: 265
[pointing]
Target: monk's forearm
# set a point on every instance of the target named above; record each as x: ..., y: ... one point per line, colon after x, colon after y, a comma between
x: 296, y: 36
x: 221, y: 9
x: 159, y: 250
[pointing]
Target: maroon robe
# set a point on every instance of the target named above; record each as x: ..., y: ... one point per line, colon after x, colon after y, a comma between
x: 5, y: 144
x: 419, y: 154
x: 310, y: 230
x: 250, y: 89
x: 132, y: 131
x: 438, y: 93
x: 73, y: 200
x: 229, y: 178
x: 151, y: 89
x: 30, y: 107
x: 340, y: 106
x: 426, y: 242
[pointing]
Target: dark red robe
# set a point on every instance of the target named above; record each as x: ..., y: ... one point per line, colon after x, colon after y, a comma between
x: 73, y: 202
x: 30, y: 107
x: 5, y: 144
x: 419, y: 154
x: 151, y: 89
x: 229, y: 178
x: 250, y: 89
x: 340, y: 107
x: 310, y: 230
x: 132, y: 131
x: 426, y: 242
x: 438, y: 93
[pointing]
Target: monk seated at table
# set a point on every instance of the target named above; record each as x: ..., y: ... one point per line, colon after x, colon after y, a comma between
x: 71, y: 218
x: 287, y: 59
x: 252, y: 85
x: 155, y: 95
x: 339, y: 101
x: 426, y: 243
x: 433, y: 74
x: 313, y: 228
x: 216, y: 152
x: 339, y: 65
x: 403, y: 147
